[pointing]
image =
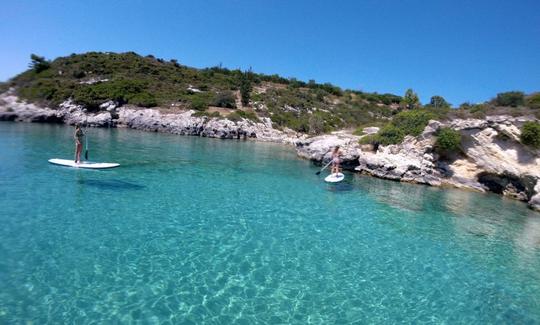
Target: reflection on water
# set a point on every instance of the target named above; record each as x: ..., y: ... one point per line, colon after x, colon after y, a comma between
x: 345, y: 185
x: 110, y: 184
x: 484, y: 224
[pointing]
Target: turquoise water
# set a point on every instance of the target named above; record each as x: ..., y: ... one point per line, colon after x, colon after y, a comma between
x: 205, y: 231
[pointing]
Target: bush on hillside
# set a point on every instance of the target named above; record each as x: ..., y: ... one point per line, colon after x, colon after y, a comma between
x: 448, y: 141
x: 121, y: 91
x: 199, y: 103
x: 38, y: 63
x: 412, y: 122
x: 530, y: 134
x: 410, y: 100
x: 207, y: 114
x: 390, y: 134
x: 143, y: 99
x: 533, y: 100
x: 369, y: 139
x: 239, y: 115
x: 225, y: 99
x: 246, y: 87
x: 316, y: 124
x: 438, y: 102
x: 405, y: 123
x: 510, y: 98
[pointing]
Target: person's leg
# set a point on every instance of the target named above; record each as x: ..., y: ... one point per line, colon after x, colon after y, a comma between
x: 78, y: 155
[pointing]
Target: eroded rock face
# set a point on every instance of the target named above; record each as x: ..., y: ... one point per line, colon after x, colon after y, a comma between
x: 410, y: 161
x: 319, y: 149
x: 110, y: 115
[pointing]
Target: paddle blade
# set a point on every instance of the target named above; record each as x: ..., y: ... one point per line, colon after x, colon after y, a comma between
x: 86, y: 155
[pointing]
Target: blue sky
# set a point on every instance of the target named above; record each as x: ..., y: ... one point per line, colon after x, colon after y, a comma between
x: 462, y: 50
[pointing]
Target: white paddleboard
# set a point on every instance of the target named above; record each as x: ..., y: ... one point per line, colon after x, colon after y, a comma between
x: 334, y: 178
x: 82, y: 164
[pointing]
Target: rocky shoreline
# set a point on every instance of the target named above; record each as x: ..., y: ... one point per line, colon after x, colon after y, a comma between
x: 492, y: 157
x: 111, y: 115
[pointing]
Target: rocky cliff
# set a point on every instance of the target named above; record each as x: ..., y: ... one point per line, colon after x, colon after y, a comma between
x: 110, y: 115
x: 492, y: 158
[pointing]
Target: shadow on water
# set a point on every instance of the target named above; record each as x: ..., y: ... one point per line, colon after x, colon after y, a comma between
x: 115, y: 185
x: 344, y: 186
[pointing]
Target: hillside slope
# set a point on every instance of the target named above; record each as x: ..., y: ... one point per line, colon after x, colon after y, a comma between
x: 93, y: 78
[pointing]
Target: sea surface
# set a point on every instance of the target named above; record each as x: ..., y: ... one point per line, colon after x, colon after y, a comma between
x: 192, y: 230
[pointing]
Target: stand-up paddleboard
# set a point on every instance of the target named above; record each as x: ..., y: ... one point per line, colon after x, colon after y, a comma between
x: 334, y: 178
x: 83, y: 164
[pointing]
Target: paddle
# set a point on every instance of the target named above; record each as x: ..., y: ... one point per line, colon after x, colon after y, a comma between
x: 86, y: 144
x: 319, y: 172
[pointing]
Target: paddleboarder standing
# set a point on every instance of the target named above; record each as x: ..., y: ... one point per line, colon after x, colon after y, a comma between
x: 78, y: 143
x: 336, y: 153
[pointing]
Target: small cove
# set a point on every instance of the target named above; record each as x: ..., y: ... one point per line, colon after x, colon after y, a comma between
x: 203, y: 230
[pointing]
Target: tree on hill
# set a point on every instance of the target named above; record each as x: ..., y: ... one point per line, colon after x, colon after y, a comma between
x: 438, y: 102
x: 245, y: 87
x: 533, y: 100
x: 510, y: 98
x: 39, y: 63
x: 410, y: 100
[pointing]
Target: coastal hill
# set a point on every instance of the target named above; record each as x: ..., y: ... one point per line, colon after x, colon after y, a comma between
x: 94, y: 78
x: 491, y: 146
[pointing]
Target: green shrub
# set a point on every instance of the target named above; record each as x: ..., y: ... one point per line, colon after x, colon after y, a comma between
x: 390, y: 134
x: 412, y: 122
x: 404, y: 123
x: 316, y: 124
x: 122, y: 91
x: 208, y: 114
x: 478, y: 110
x: 438, y: 102
x: 510, y: 98
x: 448, y: 141
x: 39, y: 63
x: 533, y: 100
x: 370, y: 139
x: 143, y: 99
x: 79, y: 74
x: 410, y: 100
x: 530, y: 134
x: 246, y: 87
x: 225, y: 99
x: 199, y: 103
x: 239, y: 115
x: 87, y: 97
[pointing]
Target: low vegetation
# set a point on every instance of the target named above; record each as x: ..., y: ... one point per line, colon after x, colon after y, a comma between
x: 530, y: 134
x: 238, y: 115
x: 448, y: 141
x: 404, y: 123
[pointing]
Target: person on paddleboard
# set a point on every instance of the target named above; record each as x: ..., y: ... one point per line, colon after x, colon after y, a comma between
x: 336, y: 153
x: 78, y: 143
